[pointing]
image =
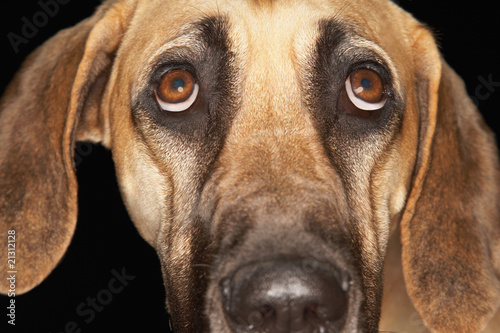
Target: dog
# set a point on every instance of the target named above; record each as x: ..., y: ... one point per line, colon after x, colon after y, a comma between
x: 267, y: 150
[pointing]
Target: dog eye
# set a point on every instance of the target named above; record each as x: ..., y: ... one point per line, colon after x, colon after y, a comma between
x: 366, y: 90
x: 177, y: 90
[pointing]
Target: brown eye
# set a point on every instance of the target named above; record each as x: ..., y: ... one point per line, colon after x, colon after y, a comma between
x: 365, y: 90
x: 176, y: 91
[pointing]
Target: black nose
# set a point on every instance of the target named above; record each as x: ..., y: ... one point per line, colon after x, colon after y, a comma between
x: 286, y: 296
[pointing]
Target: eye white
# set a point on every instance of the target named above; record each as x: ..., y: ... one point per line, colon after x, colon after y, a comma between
x: 358, y: 102
x: 182, y: 106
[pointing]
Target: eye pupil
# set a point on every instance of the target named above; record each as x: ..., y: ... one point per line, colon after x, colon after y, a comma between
x: 179, y: 85
x: 365, y: 83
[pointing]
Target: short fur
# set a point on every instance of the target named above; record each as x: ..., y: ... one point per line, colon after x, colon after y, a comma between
x: 268, y: 163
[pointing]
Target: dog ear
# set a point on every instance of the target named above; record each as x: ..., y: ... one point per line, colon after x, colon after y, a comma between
x: 451, y: 227
x: 52, y: 101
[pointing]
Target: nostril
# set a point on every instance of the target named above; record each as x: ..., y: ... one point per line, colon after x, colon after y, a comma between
x: 282, y: 297
x: 266, y: 310
x: 257, y: 318
x: 315, y: 311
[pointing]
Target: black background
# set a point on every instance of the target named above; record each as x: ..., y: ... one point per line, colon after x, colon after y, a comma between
x: 106, y: 239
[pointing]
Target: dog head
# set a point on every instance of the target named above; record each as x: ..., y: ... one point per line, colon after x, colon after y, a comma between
x: 266, y: 150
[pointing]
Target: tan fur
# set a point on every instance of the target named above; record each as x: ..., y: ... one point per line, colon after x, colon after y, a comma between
x: 272, y: 158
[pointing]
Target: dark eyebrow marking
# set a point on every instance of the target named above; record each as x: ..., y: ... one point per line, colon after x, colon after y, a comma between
x: 332, y: 33
x: 193, y: 42
x: 214, y: 33
x: 339, y: 42
x: 214, y: 30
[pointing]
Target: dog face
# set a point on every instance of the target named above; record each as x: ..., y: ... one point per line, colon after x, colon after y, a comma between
x: 270, y: 163
x: 267, y: 150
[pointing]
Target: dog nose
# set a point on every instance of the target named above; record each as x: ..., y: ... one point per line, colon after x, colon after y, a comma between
x: 297, y: 296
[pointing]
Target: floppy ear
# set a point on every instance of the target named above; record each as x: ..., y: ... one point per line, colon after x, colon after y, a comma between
x: 451, y: 228
x: 52, y: 101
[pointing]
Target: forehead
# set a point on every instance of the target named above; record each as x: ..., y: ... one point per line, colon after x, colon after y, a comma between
x: 280, y: 13
x: 269, y: 29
